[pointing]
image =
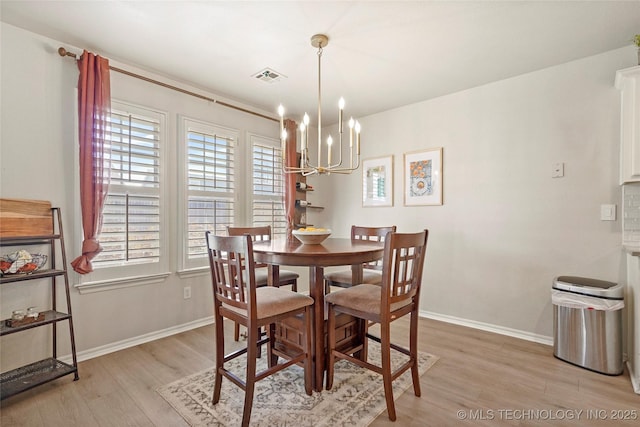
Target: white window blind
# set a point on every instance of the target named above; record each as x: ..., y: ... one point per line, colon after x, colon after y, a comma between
x: 268, y: 185
x: 131, y: 231
x: 210, y: 165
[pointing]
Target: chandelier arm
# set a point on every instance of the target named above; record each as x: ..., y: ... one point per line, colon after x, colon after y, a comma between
x: 344, y: 170
x: 335, y: 165
x: 347, y: 169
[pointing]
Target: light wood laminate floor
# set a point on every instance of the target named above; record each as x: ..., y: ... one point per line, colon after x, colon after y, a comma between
x: 481, y: 379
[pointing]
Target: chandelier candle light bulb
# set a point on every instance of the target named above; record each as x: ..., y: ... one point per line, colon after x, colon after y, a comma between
x: 306, y: 168
x: 358, y: 138
x: 305, y: 120
x: 303, y: 128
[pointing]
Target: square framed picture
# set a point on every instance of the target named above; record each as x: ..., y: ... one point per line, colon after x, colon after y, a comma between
x: 423, y: 177
x: 377, y: 182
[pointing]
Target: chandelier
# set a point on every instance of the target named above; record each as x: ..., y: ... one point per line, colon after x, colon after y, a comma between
x: 307, y: 167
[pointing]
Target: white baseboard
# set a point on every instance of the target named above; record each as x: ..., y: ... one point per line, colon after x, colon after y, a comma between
x: 141, y: 339
x: 528, y: 336
x: 131, y: 342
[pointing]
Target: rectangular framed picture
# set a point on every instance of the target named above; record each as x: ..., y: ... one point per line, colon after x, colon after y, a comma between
x: 423, y: 177
x: 377, y: 182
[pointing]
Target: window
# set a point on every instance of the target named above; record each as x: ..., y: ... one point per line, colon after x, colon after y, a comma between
x: 209, y: 165
x: 172, y: 178
x: 267, y: 206
x: 131, y: 230
x: 132, y: 236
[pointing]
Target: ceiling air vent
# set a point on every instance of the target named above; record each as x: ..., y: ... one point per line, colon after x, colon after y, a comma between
x: 268, y: 75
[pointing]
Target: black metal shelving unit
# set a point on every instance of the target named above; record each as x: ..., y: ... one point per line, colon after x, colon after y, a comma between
x: 32, y: 375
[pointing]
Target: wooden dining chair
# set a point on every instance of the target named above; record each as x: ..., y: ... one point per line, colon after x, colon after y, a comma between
x: 397, y: 296
x: 238, y: 298
x: 287, y: 277
x: 371, y: 271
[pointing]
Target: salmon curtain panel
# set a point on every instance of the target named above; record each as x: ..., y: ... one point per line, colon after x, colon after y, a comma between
x: 290, y: 178
x: 94, y: 108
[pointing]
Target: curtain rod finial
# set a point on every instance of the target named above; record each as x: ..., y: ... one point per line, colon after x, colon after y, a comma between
x: 63, y: 52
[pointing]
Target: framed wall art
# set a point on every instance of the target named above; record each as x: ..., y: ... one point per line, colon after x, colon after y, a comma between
x: 423, y: 177
x: 377, y: 182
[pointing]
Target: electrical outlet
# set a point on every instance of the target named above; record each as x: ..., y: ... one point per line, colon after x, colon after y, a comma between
x: 186, y: 292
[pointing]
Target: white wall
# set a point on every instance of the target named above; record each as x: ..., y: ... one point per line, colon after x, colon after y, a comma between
x: 38, y: 161
x: 505, y: 230
x: 506, y: 227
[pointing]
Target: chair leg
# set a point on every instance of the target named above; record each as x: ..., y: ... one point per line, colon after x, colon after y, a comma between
x: 331, y: 344
x: 308, y: 373
x: 217, y: 381
x: 272, y: 359
x: 413, y: 350
x: 364, y: 353
x: 385, y: 348
x: 236, y: 337
x: 250, y: 383
x: 259, y: 354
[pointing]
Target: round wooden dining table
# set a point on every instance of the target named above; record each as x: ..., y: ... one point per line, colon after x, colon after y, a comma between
x: 331, y: 252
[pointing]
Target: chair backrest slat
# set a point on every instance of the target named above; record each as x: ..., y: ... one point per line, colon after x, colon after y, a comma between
x: 258, y: 234
x: 373, y: 234
x: 403, y: 262
x: 228, y: 256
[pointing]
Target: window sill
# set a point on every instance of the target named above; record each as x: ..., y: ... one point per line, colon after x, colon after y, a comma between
x: 125, y: 282
x: 193, y: 272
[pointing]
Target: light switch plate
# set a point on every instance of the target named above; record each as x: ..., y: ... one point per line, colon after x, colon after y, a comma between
x: 557, y: 170
x: 608, y: 212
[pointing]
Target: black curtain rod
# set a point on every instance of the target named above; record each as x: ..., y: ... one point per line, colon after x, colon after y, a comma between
x: 63, y: 52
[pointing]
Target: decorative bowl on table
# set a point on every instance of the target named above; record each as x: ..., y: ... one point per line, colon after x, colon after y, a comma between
x: 311, y: 235
x: 21, y: 262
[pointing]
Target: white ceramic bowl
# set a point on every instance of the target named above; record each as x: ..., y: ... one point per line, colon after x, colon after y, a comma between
x: 313, y: 237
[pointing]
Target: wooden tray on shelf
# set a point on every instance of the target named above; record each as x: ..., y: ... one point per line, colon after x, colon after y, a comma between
x: 14, y: 323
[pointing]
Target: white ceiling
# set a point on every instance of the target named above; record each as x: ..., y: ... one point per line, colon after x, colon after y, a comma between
x: 381, y: 54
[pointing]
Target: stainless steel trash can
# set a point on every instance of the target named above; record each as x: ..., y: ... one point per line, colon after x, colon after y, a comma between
x: 587, y: 323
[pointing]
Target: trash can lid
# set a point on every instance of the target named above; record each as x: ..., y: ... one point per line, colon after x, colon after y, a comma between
x: 587, y: 286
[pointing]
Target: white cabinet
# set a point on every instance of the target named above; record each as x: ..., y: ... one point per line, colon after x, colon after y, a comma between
x: 628, y: 82
x: 632, y: 302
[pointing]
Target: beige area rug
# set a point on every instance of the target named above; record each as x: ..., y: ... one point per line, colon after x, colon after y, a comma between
x: 356, y: 399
